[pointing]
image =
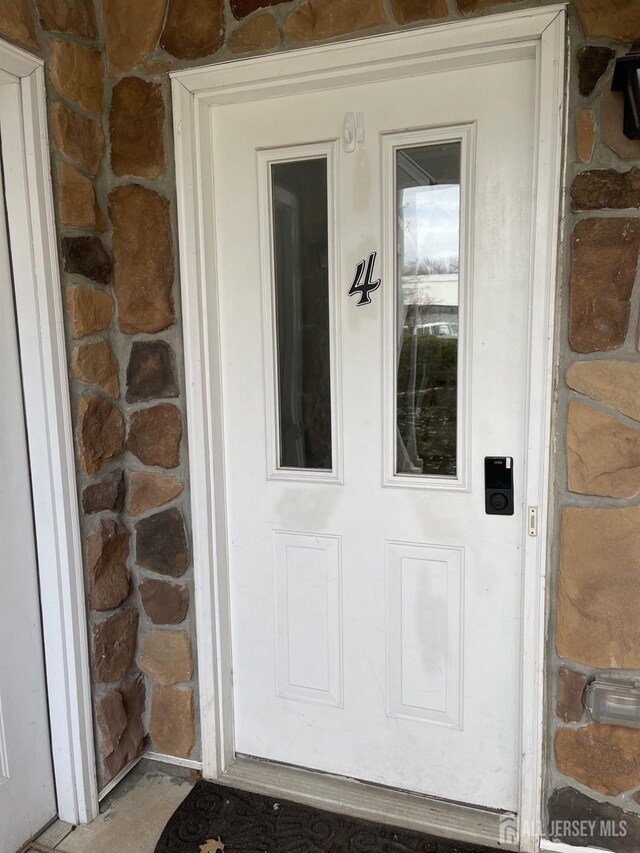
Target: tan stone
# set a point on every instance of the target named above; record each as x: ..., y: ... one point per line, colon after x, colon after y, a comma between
x: 166, y: 657
x: 172, y: 724
x: 616, y: 383
x: 131, y: 742
x: 604, y: 758
x: 154, y: 435
x: 467, y: 7
x: 96, y: 364
x: 132, y: 31
x: 114, y: 645
x: 156, y: 67
x: 603, y: 455
x: 604, y: 262
x: 320, y: 19
x: 150, y: 490
x: 108, y: 493
x: 77, y: 137
x: 599, y: 587
x: 571, y: 686
x: 68, y: 16
x: 16, y: 22
x: 77, y: 74
x: 112, y: 721
x: 612, y: 123
x: 407, y: 11
x: 242, y: 8
x: 89, y: 310
x: 585, y: 135
x: 107, y: 554
x: 194, y: 28
x: 143, y: 259
x: 77, y: 201
x: 136, y: 128
x: 615, y: 19
x: 602, y: 189
x: 100, y: 432
x: 259, y: 33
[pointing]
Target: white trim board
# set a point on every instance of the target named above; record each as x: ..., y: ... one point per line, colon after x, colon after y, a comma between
x: 561, y: 847
x: 457, y: 44
x: 32, y: 235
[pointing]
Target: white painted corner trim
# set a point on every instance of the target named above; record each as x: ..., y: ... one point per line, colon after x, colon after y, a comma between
x: 195, y: 93
x: 32, y: 234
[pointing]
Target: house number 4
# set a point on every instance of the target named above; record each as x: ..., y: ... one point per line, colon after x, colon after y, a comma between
x: 365, y: 286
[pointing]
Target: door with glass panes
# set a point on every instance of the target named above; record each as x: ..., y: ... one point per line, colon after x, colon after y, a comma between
x: 373, y: 248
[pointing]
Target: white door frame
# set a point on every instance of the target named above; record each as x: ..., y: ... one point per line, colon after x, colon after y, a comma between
x: 542, y: 32
x: 38, y: 295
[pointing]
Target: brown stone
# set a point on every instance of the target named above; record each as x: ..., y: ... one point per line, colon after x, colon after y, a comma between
x: 259, y: 33
x: 603, y: 455
x: 616, y: 383
x: 86, y: 256
x: 612, y: 124
x: 154, y: 435
x: 16, y: 22
x: 107, y: 554
x: 467, y: 7
x: 242, y: 8
x: 602, y: 189
x: 132, y: 31
x: 615, y: 19
x: 194, y: 28
x: 166, y: 656
x: 77, y: 74
x: 68, y: 16
x: 571, y: 686
x: 112, y: 721
x: 151, y: 372
x: 320, y: 19
x: 96, y: 364
x: 136, y: 128
x: 172, y: 724
x: 89, y: 310
x: 599, y: 587
x: 114, y: 646
x: 161, y: 543
x: 407, y: 11
x: 107, y: 494
x: 604, y: 261
x: 133, y: 694
x: 80, y: 138
x: 164, y: 603
x: 604, y: 758
x: 100, y: 432
x: 150, y: 490
x: 585, y: 135
x: 77, y: 201
x: 592, y: 63
x: 143, y: 259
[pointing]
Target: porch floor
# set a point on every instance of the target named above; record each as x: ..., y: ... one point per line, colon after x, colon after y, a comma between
x: 132, y: 816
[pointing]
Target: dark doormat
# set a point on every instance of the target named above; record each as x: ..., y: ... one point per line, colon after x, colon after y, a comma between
x: 215, y: 818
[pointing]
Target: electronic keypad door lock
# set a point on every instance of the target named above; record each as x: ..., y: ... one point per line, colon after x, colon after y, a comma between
x: 498, y: 485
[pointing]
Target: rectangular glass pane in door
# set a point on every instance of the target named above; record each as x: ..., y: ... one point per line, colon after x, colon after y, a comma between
x: 427, y: 299
x: 303, y: 342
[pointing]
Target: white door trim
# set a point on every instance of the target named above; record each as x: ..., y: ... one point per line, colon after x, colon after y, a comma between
x: 32, y: 235
x: 465, y: 43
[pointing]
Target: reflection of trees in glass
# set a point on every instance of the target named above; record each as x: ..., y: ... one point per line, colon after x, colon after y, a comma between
x: 427, y: 394
x: 432, y: 266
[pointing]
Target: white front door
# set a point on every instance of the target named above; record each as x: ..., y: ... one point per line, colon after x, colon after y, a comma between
x: 27, y: 797
x: 375, y: 604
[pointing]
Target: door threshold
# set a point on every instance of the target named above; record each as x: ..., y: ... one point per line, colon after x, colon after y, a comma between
x: 370, y: 802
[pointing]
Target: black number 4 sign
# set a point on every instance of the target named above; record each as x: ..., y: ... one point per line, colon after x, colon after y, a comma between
x: 367, y: 286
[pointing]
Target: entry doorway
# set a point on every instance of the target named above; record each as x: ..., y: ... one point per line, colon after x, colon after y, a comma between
x: 375, y: 296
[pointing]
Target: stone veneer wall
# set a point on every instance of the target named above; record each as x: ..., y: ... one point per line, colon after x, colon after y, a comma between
x: 112, y: 164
